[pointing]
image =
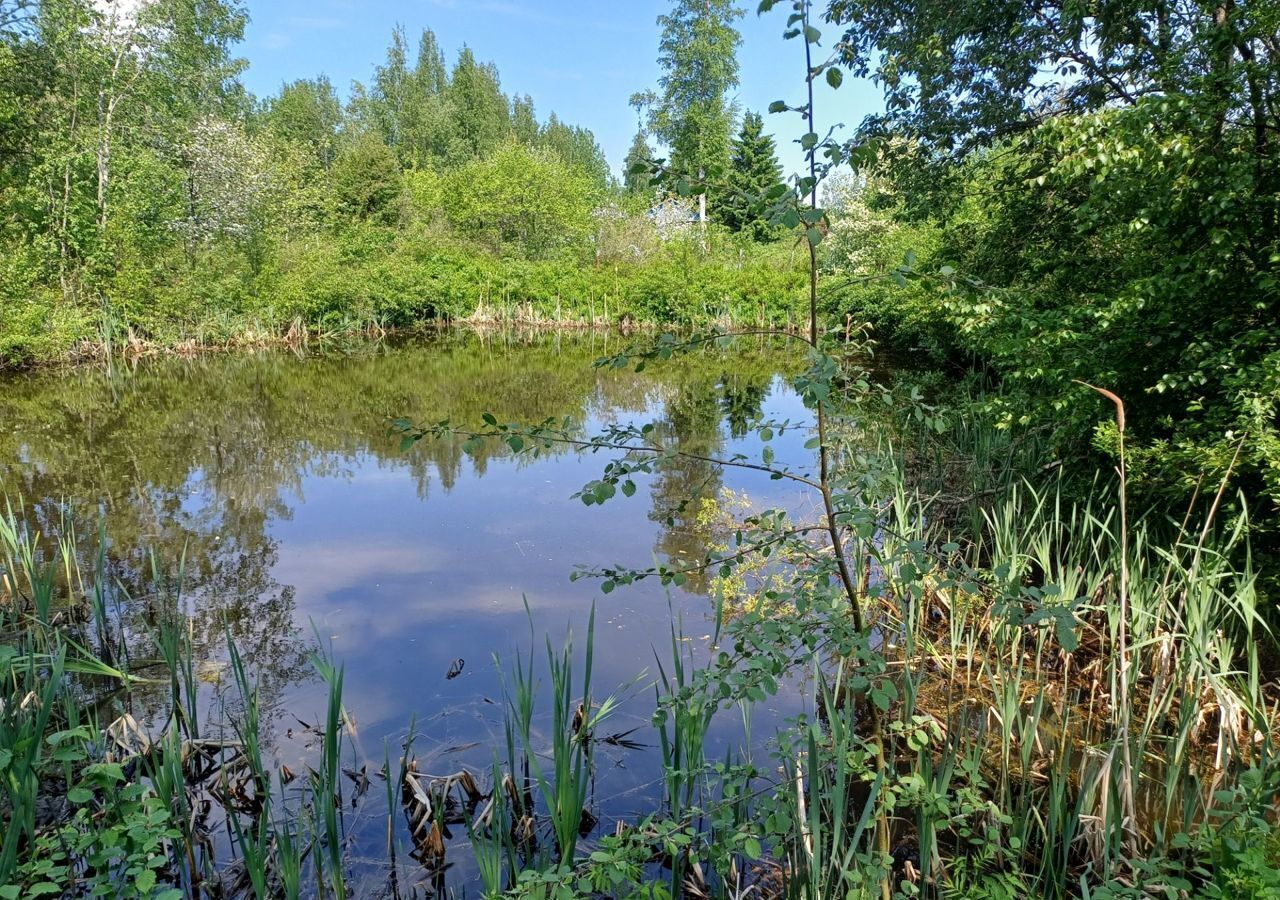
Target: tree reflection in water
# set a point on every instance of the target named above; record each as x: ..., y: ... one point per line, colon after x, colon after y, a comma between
x: 201, y: 460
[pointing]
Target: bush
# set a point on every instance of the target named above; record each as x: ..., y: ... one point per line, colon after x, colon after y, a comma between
x: 521, y: 200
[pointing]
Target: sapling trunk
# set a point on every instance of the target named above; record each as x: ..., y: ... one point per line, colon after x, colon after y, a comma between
x: 878, y: 735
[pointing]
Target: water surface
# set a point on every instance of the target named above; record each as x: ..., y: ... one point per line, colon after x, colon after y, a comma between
x: 274, y: 481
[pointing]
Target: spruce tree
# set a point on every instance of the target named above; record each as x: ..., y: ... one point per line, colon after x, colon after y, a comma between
x: 753, y: 170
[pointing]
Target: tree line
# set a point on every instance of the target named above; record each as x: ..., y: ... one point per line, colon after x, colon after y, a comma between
x: 146, y: 195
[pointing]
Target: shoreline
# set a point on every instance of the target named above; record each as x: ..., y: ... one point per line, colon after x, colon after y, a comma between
x: 300, y: 338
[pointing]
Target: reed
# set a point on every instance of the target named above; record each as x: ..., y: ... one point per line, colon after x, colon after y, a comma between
x: 24, y: 723
x: 1033, y: 712
x: 491, y: 842
x: 682, y: 729
x: 290, y: 852
x: 255, y: 840
x: 171, y: 634
x: 326, y: 784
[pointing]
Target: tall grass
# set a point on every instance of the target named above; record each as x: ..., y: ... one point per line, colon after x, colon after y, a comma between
x: 1074, y: 659
x: 564, y: 787
x: 52, y: 617
x: 326, y: 784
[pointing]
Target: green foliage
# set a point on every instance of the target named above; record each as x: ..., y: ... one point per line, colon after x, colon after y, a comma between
x: 869, y: 240
x: 366, y: 182
x: 636, y: 178
x: 694, y: 115
x: 114, y: 845
x: 529, y: 201
x: 578, y: 149
x: 753, y: 171
x: 1115, y: 222
x: 479, y: 109
x: 308, y: 114
x: 189, y: 215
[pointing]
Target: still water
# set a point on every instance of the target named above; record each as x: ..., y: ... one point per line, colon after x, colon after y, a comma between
x: 273, y: 482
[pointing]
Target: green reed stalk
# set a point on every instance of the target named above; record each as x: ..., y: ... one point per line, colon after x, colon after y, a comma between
x: 491, y: 840
x: 289, y: 851
x: 23, y: 725
x: 255, y: 842
x: 326, y: 783
x: 164, y: 767
x: 566, y: 793
x: 395, y: 785
x: 172, y: 636
x: 683, y: 725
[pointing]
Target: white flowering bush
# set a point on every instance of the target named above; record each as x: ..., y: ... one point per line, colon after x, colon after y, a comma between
x: 231, y: 184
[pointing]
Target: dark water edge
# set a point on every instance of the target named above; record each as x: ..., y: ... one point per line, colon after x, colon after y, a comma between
x: 274, y: 477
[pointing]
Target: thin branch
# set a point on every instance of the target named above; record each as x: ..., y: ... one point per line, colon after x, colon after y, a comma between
x: 631, y: 448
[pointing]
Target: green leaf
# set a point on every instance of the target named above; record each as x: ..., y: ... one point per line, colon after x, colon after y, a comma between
x: 79, y: 795
x: 751, y: 847
x: 811, y: 34
x: 1066, y: 632
x: 835, y: 77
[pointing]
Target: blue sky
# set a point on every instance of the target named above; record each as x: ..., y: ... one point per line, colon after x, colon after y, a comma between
x: 581, y: 59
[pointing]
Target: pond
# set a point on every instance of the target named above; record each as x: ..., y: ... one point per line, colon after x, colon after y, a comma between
x: 272, y: 486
